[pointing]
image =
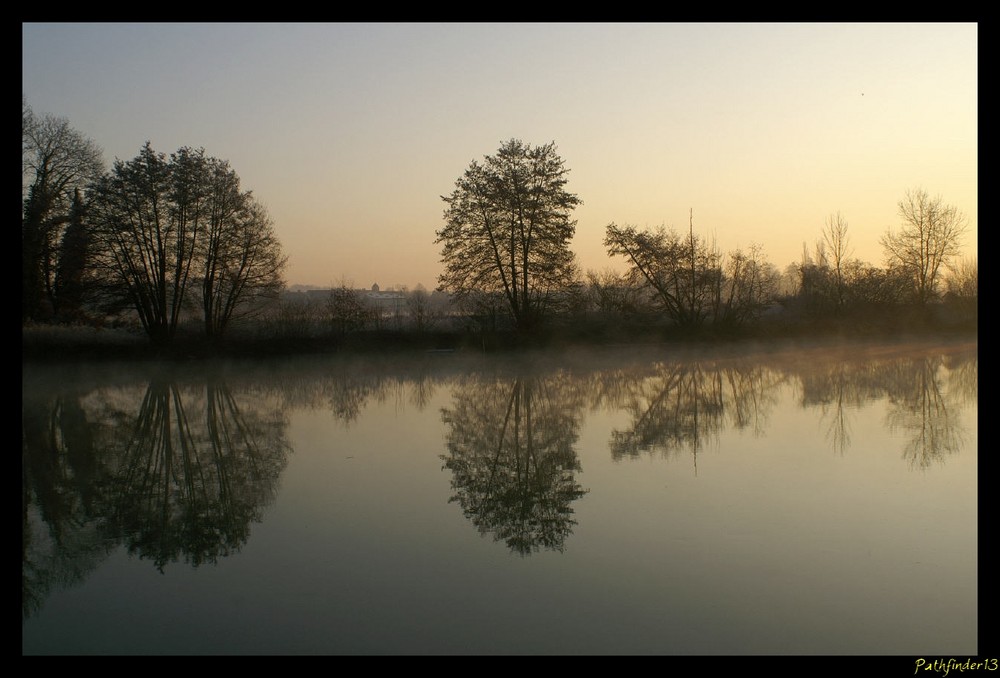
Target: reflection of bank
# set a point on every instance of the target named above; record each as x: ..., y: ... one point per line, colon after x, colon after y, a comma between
x: 924, y: 393
x: 685, y: 405
x: 181, y: 478
x: 510, y: 449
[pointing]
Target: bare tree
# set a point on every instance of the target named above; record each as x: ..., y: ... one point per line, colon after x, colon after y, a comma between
x: 963, y: 278
x: 691, y: 279
x: 347, y: 310
x: 418, y: 303
x: 747, y: 286
x: 612, y: 293
x: 837, y: 245
x: 682, y: 273
x: 871, y: 288
x: 930, y: 235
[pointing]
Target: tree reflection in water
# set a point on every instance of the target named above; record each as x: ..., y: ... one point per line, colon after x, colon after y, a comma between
x: 183, y: 478
x: 346, y: 386
x: 178, y: 468
x: 963, y: 378
x: 510, y: 448
x: 925, y: 413
x: 190, y: 485
x: 837, y: 387
x: 925, y: 394
x: 685, y: 405
x: 63, y: 476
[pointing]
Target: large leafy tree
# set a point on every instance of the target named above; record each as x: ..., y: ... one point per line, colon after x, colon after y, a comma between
x: 508, y: 230
x: 166, y: 225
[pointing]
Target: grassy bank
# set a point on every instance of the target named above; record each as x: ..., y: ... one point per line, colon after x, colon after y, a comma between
x: 52, y: 343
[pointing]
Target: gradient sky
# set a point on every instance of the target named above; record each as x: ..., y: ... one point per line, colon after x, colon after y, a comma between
x: 351, y: 133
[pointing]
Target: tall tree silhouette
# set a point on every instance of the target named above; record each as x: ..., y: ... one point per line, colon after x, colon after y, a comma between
x: 74, y: 263
x: 508, y: 230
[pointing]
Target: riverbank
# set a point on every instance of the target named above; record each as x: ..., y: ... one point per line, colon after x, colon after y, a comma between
x: 52, y: 343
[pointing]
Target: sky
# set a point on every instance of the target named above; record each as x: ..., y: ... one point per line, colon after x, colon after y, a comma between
x: 350, y: 133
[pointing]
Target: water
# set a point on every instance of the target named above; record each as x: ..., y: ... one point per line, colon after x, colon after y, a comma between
x: 632, y: 501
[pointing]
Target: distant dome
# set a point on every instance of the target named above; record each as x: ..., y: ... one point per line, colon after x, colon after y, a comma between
x: 374, y: 287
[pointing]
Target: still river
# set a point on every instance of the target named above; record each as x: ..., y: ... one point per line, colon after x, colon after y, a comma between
x: 815, y: 500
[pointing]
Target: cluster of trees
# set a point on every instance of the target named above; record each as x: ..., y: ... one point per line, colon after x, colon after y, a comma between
x: 922, y: 263
x: 162, y: 236
x: 345, y: 310
x: 505, y: 248
x: 690, y: 280
x: 168, y: 226
x: 56, y: 163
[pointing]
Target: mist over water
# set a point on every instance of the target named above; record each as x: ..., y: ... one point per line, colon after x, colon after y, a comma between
x: 643, y: 500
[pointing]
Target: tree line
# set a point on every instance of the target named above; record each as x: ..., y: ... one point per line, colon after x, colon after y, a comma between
x: 168, y: 238
x: 505, y: 249
x: 159, y: 236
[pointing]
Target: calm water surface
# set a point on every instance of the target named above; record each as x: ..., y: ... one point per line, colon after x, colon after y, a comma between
x: 633, y: 501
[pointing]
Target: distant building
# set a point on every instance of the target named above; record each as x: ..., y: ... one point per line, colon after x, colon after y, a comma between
x: 386, y: 307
